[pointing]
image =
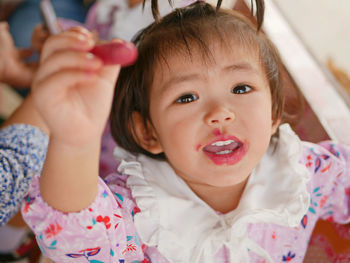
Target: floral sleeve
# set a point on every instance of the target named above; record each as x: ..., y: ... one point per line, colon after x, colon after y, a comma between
x: 330, y: 193
x: 103, y: 232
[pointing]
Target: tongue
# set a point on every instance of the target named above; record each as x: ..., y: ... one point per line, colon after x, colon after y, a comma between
x: 215, y: 149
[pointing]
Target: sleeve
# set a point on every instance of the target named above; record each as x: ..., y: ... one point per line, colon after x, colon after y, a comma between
x: 330, y: 163
x: 22, y: 154
x: 103, y: 232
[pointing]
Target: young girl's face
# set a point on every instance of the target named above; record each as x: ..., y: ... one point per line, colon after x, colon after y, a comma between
x: 212, y: 119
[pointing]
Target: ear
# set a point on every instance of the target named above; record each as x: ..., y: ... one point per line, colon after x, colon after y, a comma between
x: 146, y: 137
x: 275, y: 124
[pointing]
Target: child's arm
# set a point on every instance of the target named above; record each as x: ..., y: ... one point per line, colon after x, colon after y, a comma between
x: 72, y: 92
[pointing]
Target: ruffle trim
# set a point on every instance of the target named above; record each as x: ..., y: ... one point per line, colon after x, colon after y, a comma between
x: 286, y: 211
x: 147, y: 219
x: 294, y: 176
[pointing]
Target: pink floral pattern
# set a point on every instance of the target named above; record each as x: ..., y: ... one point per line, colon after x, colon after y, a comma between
x: 105, y: 232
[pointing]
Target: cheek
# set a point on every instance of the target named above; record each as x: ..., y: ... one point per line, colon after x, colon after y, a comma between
x: 263, y: 110
x: 178, y: 132
x: 261, y: 123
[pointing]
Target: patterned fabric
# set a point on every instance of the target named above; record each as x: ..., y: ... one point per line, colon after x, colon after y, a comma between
x: 22, y: 153
x: 108, y: 164
x: 104, y: 232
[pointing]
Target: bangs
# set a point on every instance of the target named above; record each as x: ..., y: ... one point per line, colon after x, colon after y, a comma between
x: 183, y: 33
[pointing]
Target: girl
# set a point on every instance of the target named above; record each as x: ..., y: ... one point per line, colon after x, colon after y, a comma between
x: 206, y: 173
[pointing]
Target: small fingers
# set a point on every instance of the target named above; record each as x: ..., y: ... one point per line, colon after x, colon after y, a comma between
x: 68, y: 59
x: 110, y: 73
x: 54, y: 87
x: 75, y: 38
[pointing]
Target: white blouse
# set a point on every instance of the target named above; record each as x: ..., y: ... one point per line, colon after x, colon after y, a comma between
x: 173, y: 218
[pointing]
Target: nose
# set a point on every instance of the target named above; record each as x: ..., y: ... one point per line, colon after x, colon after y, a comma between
x: 219, y: 116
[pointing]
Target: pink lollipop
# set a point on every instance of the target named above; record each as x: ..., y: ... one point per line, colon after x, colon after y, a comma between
x: 123, y: 53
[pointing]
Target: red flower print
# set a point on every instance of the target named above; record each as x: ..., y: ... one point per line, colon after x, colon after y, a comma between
x: 339, y: 174
x: 323, y: 201
x: 130, y: 248
x: 52, y: 230
x: 330, y: 219
x: 288, y: 257
x: 28, y: 202
x: 26, y: 208
x: 318, y: 164
x: 116, y: 215
x: 136, y: 210
x: 143, y: 247
x: 304, y: 221
x: 326, y: 168
x: 106, y: 220
x: 347, y: 191
x: 274, y: 235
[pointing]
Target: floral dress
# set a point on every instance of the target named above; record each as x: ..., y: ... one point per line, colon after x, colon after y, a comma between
x: 145, y: 213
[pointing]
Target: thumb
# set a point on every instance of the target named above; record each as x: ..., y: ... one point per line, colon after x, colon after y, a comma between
x: 114, y: 55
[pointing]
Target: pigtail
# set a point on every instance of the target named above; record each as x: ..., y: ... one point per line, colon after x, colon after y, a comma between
x: 218, y: 5
x: 260, y: 10
x: 259, y: 14
x: 155, y: 8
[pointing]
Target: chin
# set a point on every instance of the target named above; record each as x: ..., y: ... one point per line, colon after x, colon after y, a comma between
x: 226, y: 182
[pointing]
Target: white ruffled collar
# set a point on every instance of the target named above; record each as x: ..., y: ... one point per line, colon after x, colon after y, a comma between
x: 185, y: 229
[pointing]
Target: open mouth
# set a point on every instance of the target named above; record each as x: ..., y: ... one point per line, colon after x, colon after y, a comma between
x: 225, y: 150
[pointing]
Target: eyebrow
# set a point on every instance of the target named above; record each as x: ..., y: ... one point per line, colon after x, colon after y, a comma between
x: 243, y: 66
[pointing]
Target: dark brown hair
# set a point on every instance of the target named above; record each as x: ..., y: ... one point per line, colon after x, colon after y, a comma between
x: 186, y: 29
x: 260, y: 9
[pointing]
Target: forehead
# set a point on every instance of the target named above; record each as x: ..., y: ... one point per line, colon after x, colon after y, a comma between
x: 197, y: 59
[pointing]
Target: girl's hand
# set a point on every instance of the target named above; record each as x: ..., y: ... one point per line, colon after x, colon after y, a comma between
x: 72, y: 89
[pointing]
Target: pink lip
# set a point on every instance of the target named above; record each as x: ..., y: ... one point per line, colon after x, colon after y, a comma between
x: 231, y: 158
x: 216, y: 132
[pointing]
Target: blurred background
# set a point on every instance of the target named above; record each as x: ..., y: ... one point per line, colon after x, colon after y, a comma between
x: 312, y: 36
x: 323, y: 26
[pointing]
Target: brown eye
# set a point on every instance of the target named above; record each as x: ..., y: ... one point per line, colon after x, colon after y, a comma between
x: 241, y: 89
x: 187, y: 98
